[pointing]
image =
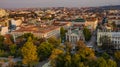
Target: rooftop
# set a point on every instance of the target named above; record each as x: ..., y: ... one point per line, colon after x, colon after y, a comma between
x: 36, y: 29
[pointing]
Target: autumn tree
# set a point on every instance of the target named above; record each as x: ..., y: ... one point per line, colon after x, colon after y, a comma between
x: 65, y: 58
x: 29, y: 53
x: 8, y: 40
x: 68, y: 47
x: 117, y: 55
x: 83, y: 57
x: 85, y: 52
x: 111, y: 63
x: 101, y: 62
x: 57, y: 58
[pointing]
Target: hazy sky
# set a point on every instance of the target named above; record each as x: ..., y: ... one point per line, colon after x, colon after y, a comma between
x: 55, y: 3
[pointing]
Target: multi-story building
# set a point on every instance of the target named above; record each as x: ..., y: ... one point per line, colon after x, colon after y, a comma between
x: 44, y: 31
x: 113, y: 35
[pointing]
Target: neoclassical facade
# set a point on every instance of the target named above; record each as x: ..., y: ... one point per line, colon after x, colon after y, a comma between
x: 74, y: 35
x: 113, y: 35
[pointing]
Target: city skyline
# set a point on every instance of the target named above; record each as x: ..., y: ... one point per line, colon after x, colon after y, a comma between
x: 55, y: 3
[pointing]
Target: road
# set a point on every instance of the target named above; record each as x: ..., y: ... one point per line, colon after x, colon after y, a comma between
x: 92, y: 41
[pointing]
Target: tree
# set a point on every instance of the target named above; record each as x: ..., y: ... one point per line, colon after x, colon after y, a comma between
x: 76, y: 60
x: 111, y: 63
x: 45, y: 50
x: 8, y: 40
x: 106, y: 43
x: 38, y: 41
x: 2, y: 53
x: 29, y: 53
x: 62, y: 33
x: 54, y: 41
x: 27, y: 35
x: 68, y: 47
x: 117, y: 55
x: 67, y: 60
x: 64, y: 58
x: 57, y: 57
x: 101, y: 62
x: 13, y: 49
x: 105, y: 56
x: 85, y: 52
x: 87, y: 34
x: 1, y: 41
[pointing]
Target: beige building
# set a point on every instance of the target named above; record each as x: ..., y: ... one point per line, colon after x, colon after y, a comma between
x: 91, y: 24
x: 4, y: 30
x: 39, y: 32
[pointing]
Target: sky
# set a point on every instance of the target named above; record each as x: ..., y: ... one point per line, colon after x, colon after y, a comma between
x: 55, y: 3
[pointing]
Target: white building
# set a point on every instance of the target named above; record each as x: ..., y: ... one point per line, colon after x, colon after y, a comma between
x: 114, y: 36
x: 74, y: 35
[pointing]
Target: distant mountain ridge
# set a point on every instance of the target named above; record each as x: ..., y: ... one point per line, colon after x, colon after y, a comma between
x: 110, y: 7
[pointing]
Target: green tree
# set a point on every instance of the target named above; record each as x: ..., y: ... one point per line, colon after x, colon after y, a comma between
x: 13, y: 49
x: 62, y: 34
x: 105, y: 56
x: 27, y: 35
x: 1, y: 42
x: 87, y: 34
x: 2, y: 53
x: 54, y: 41
x: 29, y: 53
x: 106, y: 43
x: 45, y: 50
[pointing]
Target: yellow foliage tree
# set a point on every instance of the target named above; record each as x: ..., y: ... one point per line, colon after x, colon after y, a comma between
x: 29, y: 53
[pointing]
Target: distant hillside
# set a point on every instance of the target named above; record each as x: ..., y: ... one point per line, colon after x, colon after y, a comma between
x: 110, y: 7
